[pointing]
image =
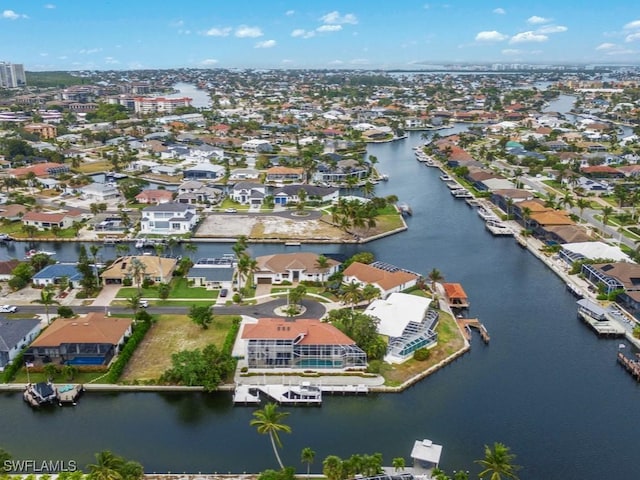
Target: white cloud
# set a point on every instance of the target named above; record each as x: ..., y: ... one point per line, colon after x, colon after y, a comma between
x: 606, y: 46
x: 288, y: 13
x: 244, y: 31
x: 336, y: 62
x: 633, y: 37
x: 43, y: 54
x: 89, y: 51
x: 11, y: 15
x: 218, y: 32
x: 551, y: 29
x: 536, y: 20
x: 511, y: 51
x: 286, y: 61
x: 334, y: 18
x: 632, y: 25
x: 329, y: 28
x: 491, y: 36
x: 528, y: 37
x: 50, y: 6
x: 208, y: 62
x: 301, y: 33
x: 359, y: 61
x: 111, y: 61
x: 499, y: 11
x: 266, y: 44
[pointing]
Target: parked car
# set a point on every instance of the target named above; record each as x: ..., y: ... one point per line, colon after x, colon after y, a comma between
x: 144, y: 303
x: 8, y: 309
x: 230, y: 210
x: 224, y: 292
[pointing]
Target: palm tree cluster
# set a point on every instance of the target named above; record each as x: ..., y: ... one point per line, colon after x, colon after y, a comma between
x: 357, y: 214
x: 246, y: 264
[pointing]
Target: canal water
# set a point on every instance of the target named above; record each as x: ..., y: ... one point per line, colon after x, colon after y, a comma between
x: 545, y: 386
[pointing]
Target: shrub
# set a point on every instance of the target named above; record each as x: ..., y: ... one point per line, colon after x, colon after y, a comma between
x: 139, y: 331
x: 422, y: 354
x: 375, y: 366
x: 127, y: 282
x: 237, y: 298
x: 65, y: 312
x: 147, y: 282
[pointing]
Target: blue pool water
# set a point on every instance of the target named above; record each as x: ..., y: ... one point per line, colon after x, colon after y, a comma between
x: 86, y: 361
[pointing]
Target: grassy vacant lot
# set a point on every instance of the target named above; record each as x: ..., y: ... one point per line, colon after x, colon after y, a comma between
x: 449, y: 341
x: 94, y: 167
x: 172, y: 334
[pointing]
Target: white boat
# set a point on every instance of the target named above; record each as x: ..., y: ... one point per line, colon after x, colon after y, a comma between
x: 462, y: 193
x: 31, y: 253
x: 487, y: 215
x: 473, y: 202
x: 445, y: 178
x: 453, y: 185
x: 498, y: 228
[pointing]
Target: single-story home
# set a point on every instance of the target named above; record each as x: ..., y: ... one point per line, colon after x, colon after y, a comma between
x: 158, y: 269
x: 212, y: 273
x: 14, y: 336
x: 6, y: 267
x: 45, y: 221
x: 299, y: 344
x: 52, y: 274
x: 293, y: 267
x: 387, y: 278
x: 154, y: 196
x: 92, y: 340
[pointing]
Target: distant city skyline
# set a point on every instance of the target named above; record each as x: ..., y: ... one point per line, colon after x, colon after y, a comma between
x: 359, y: 34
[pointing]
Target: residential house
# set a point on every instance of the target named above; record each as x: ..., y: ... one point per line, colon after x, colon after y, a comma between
x: 6, y: 267
x: 573, y: 252
x: 53, y: 274
x: 12, y: 211
x: 248, y: 193
x: 257, y: 146
x: 339, y: 172
x: 46, y: 221
x: 99, y: 192
x: 289, y: 193
x: 194, y: 191
x: 168, y: 219
x: 15, y: 335
x: 43, y: 130
x: 387, y: 278
x: 203, y: 170
x: 293, y: 267
x: 300, y: 344
x: 154, y: 268
x: 285, y: 174
x: 244, y: 174
x: 92, y: 340
x: 212, y: 273
x: 408, y: 323
x: 154, y: 196
x: 613, y: 276
x: 40, y: 170
x: 505, y: 198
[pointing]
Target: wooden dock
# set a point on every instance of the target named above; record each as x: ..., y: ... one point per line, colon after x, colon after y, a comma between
x: 631, y: 366
x: 466, y: 324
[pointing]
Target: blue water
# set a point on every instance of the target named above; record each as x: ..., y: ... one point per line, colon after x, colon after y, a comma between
x: 545, y: 386
x: 85, y: 361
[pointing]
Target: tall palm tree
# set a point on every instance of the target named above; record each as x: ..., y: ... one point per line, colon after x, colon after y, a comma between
x: 606, y: 213
x: 94, y: 249
x: 46, y: 299
x: 307, y: 456
x: 351, y: 294
x: 190, y: 248
x: 159, y: 248
x: 322, y: 263
x: 582, y: 203
x: 526, y: 216
x: 370, y: 292
x: 268, y: 421
x: 137, y: 270
x: 498, y: 463
x: 435, y: 276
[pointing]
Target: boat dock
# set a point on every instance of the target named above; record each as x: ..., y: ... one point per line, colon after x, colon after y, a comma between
x: 304, y: 394
x: 466, y: 324
x: 599, y: 319
x: 631, y: 366
x: 246, y: 395
x: 498, y: 228
x: 69, y: 394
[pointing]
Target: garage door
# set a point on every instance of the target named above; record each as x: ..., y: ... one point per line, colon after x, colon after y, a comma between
x: 264, y: 280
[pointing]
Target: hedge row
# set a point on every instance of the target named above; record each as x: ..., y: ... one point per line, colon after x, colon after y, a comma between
x: 11, y: 369
x: 227, y: 346
x: 140, y: 329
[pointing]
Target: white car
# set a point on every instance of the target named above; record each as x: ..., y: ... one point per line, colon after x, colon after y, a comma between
x: 144, y: 303
x: 8, y: 309
x: 230, y: 210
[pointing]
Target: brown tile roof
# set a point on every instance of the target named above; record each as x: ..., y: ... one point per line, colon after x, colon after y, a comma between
x: 552, y: 217
x: 454, y: 290
x: 281, y: 262
x: 94, y: 328
x: 314, y: 331
x: 40, y: 169
x: 533, y: 205
x: 152, y: 194
x: 12, y: 210
x: 120, y: 268
x: 600, y: 169
x: 626, y: 273
x: 7, y: 266
x: 50, y: 217
x: 386, y: 280
x: 570, y: 233
x: 284, y: 170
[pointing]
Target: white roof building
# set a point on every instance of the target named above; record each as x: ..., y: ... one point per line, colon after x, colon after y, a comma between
x: 594, y: 250
x: 397, y: 311
x: 426, y: 454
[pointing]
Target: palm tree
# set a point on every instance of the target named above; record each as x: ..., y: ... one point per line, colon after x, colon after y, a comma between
x: 190, y: 248
x: 107, y: 467
x: 46, y: 299
x: 435, y: 276
x: 497, y: 463
x: 133, y: 302
x: 606, y: 213
x: 94, y: 249
x: 159, y: 248
x: 322, y: 262
x: 137, y: 270
x: 307, y: 456
x: 332, y: 467
x: 269, y: 421
x: 398, y: 464
x: 351, y: 293
x: 582, y: 203
x: 370, y: 292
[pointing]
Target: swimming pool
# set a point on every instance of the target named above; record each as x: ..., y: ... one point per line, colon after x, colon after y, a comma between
x: 85, y: 361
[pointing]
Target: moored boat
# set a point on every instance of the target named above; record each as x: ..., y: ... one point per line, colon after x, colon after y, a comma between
x: 39, y: 394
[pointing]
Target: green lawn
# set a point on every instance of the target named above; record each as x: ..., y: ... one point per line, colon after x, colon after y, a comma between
x: 80, y: 377
x: 179, y: 289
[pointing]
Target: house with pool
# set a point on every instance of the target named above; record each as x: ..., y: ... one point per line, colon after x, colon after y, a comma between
x: 90, y: 340
x: 269, y: 343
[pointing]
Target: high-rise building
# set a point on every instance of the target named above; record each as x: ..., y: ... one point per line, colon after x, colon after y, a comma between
x: 12, y: 75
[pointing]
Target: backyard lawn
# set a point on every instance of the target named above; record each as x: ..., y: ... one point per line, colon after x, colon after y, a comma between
x: 169, y: 335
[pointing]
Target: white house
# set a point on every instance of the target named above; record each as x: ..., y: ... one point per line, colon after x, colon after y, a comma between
x: 99, y: 192
x: 248, y: 193
x: 387, y: 278
x: 293, y: 267
x: 257, y: 145
x: 168, y: 219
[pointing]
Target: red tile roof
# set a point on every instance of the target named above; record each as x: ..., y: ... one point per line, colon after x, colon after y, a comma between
x: 454, y: 290
x: 94, y: 328
x: 313, y: 332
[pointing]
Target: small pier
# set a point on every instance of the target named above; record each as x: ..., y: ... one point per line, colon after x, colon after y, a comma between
x: 69, y: 394
x: 246, y: 395
x: 304, y: 394
x: 466, y: 324
x: 631, y: 366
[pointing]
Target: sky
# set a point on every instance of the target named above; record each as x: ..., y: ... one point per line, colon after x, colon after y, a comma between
x: 333, y: 34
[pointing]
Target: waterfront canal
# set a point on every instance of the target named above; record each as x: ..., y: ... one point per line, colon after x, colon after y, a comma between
x: 545, y: 386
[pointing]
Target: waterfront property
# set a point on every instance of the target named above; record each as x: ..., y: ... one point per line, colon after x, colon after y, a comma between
x: 168, y: 219
x: 408, y: 323
x: 293, y: 267
x: 157, y: 269
x: 92, y: 340
x: 46, y: 221
x: 300, y: 344
x: 613, y: 276
x: 212, y: 273
x: 455, y: 295
x: 14, y: 336
x: 53, y: 274
x: 387, y: 278
x: 425, y: 455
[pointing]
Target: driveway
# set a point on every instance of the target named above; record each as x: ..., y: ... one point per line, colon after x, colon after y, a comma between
x: 106, y: 296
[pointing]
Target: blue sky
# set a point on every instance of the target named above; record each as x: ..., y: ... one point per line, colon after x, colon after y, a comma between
x: 119, y: 35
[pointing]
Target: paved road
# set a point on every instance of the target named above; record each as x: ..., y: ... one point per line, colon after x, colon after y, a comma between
x: 313, y: 309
